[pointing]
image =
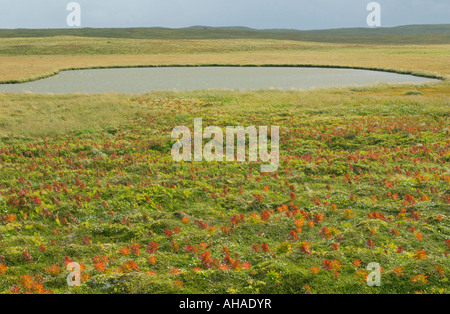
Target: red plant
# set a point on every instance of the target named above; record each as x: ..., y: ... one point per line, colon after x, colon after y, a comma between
x: 26, y: 256
x: 30, y: 285
x: 420, y: 279
x: 265, y: 215
x: 256, y: 247
x: 136, y: 249
x: 328, y: 233
x: 152, y: 247
x: 53, y: 270
x: 318, y: 218
x: 3, y: 269
x: 168, y: 233
x: 332, y: 265
x: 129, y: 267
x: 178, y: 284
x: 395, y: 233
x: 124, y: 251
x: 100, y: 267
x: 206, y: 260
x: 265, y: 247
x: 420, y: 254
x: 398, y: 271
x: 357, y: 262
x: 305, y: 248
x: 293, y: 235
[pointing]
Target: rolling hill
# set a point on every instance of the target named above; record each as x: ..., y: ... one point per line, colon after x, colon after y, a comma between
x: 411, y: 34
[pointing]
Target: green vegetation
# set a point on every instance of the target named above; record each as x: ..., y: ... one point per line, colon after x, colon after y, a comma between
x: 363, y: 178
x: 411, y: 34
x: 363, y: 175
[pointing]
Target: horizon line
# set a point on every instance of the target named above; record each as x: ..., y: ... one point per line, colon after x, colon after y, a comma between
x: 225, y: 27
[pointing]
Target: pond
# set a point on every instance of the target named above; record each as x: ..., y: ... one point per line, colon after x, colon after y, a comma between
x: 141, y: 80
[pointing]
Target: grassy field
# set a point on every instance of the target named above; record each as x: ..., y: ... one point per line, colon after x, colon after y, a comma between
x: 411, y: 34
x: 28, y: 55
x: 364, y: 175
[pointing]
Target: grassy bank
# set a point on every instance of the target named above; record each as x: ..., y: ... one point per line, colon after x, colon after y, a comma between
x: 46, y: 115
x: 25, y: 59
x: 363, y: 178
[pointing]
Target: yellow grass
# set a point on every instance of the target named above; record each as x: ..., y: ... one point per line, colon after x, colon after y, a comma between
x: 28, y: 114
x: 23, y: 114
x: 429, y: 60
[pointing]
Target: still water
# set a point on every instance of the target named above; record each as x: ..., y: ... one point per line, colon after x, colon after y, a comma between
x: 141, y: 80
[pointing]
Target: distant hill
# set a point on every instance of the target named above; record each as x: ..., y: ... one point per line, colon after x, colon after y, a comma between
x: 411, y: 34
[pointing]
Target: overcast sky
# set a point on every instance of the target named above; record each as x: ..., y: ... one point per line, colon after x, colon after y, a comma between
x: 298, y: 14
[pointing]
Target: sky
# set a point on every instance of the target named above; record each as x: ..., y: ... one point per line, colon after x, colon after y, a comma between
x: 260, y: 14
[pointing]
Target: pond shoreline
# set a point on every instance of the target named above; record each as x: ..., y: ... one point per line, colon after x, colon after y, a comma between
x: 387, y: 70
